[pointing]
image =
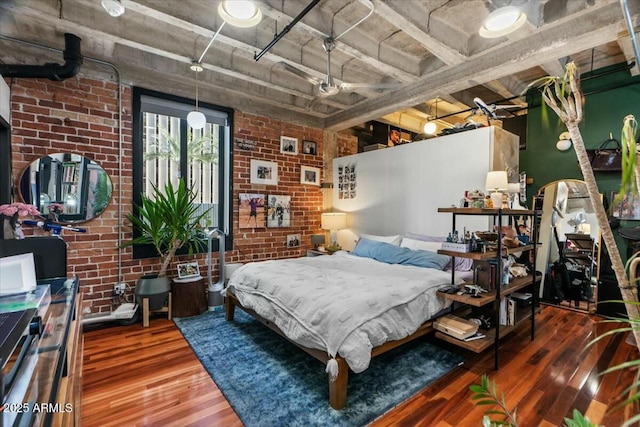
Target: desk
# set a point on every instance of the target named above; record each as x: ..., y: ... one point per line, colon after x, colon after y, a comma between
x: 53, y: 380
x: 188, y: 297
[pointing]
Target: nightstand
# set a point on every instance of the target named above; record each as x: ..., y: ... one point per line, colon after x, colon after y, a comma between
x: 315, y: 252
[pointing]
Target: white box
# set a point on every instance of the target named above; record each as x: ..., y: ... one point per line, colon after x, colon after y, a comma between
x: 17, y: 274
x: 456, y: 247
x: 455, y: 326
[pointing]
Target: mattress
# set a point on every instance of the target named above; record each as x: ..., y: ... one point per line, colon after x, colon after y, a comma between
x: 342, y: 304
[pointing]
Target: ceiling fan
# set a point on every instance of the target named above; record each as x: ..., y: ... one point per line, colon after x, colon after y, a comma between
x: 328, y: 87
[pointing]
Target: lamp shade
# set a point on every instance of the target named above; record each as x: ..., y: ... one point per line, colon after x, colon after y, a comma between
x: 196, y: 119
x: 334, y: 221
x: 497, y: 181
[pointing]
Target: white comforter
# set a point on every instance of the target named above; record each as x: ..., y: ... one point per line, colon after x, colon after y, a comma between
x: 342, y: 303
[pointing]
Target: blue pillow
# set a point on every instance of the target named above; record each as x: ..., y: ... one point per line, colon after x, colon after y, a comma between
x: 391, y: 254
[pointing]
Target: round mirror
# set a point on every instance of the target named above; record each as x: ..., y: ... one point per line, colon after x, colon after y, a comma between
x: 67, y: 187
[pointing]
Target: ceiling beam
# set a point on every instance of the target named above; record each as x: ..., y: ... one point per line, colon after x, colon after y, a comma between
x: 440, y: 50
x: 388, y: 69
x: 630, y: 56
x: 589, y: 29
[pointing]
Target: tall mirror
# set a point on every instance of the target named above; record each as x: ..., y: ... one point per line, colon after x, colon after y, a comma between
x: 68, y: 187
x: 569, y: 253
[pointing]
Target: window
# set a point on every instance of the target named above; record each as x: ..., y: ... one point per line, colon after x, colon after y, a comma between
x: 166, y: 148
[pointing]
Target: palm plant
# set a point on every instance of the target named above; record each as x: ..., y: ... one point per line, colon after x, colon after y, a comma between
x: 199, y: 148
x: 563, y: 96
x: 168, y: 220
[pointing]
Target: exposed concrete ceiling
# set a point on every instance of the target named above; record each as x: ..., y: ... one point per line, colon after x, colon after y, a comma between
x: 430, y: 48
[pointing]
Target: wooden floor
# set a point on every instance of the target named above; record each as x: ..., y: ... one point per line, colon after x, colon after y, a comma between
x: 138, y: 376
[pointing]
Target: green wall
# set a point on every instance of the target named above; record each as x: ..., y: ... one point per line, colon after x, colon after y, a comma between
x: 605, y: 106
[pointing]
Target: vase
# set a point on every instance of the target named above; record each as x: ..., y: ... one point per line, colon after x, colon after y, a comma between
x: 9, y: 227
x: 155, y: 288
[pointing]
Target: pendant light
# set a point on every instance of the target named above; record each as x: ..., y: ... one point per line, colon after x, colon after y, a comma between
x: 195, y: 118
x: 431, y: 127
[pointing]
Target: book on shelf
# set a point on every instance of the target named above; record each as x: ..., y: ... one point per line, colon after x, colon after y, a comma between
x: 477, y: 336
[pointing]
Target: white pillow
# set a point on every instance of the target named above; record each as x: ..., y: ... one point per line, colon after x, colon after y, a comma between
x: 394, y: 240
x: 420, y: 245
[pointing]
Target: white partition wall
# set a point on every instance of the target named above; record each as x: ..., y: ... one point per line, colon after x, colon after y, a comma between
x: 399, y: 189
x: 5, y: 101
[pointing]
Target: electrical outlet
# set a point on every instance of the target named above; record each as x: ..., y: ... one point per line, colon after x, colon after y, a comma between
x: 119, y: 288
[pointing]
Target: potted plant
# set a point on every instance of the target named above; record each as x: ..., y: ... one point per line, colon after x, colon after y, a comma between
x: 169, y: 220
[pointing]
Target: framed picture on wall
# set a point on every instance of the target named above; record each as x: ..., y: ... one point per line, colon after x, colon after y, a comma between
x: 279, y: 211
x: 626, y: 208
x: 288, y: 145
x: 264, y: 172
x: 252, y: 211
x: 309, y: 175
x: 293, y: 240
x: 309, y: 147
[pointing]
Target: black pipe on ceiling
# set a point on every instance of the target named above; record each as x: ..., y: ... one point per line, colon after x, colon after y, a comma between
x: 56, y: 72
x: 286, y: 29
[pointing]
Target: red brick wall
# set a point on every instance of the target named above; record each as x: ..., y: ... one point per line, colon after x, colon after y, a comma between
x: 80, y: 115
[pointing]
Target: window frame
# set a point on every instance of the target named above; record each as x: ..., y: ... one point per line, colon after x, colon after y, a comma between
x: 225, y: 166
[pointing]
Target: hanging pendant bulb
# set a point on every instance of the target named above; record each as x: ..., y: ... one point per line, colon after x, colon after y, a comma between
x: 195, y: 118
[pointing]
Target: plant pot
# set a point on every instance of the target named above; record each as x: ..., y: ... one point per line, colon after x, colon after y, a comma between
x: 155, y: 288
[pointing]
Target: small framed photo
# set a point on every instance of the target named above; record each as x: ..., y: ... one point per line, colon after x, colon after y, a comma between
x: 626, y: 208
x: 188, y: 269
x: 309, y: 147
x: 264, y: 172
x: 293, y: 240
x: 288, y: 145
x: 309, y: 175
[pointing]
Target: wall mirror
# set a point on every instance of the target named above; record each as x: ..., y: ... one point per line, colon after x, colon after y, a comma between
x: 78, y: 186
x: 570, y: 245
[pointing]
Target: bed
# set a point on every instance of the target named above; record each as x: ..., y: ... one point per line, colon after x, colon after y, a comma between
x: 346, y: 308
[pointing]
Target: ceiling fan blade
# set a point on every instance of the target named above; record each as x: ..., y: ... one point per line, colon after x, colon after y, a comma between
x: 302, y: 74
x: 317, y: 100
x: 380, y: 86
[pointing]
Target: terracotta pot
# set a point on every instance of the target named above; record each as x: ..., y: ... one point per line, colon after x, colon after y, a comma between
x: 155, y: 288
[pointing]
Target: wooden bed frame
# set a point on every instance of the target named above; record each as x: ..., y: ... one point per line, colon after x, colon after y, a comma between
x: 337, y: 388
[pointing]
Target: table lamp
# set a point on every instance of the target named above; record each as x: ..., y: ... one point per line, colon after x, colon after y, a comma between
x: 496, y: 182
x: 333, y: 221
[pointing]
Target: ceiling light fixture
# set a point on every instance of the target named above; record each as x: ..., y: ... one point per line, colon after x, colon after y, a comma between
x: 195, y: 118
x: 113, y: 7
x: 430, y: 128
x: 240, y: 13
x: 502, y: 21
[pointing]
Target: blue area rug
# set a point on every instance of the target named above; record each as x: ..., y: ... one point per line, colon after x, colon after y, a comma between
x: 270, y: 382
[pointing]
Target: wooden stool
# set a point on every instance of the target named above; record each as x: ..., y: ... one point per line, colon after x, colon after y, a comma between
x: 146, y: 311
